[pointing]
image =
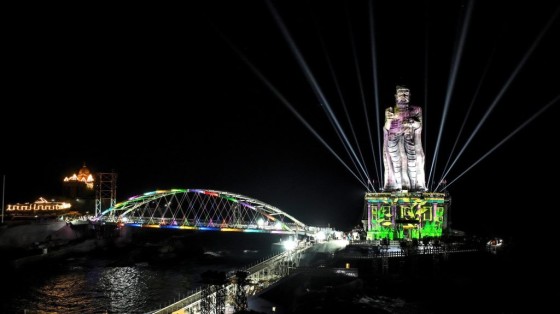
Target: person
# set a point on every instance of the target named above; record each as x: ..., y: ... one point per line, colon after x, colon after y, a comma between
x: 403, y: 156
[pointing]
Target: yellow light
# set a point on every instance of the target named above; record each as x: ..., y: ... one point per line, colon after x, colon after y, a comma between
x: 187, y: 227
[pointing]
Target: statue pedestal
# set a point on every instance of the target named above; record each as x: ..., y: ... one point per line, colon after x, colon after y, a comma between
x: 405, y: 215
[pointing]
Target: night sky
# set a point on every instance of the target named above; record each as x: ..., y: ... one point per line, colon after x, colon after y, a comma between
x: 201, y: 96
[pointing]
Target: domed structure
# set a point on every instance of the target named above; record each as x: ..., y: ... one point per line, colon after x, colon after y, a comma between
x: 84, y: 176
x: 79, y: 186
x: 84, y: 173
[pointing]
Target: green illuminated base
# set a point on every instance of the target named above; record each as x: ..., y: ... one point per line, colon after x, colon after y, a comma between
x: 405, y: 215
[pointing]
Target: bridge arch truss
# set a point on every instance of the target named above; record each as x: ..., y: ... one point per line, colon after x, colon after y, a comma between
x: 199, y: 209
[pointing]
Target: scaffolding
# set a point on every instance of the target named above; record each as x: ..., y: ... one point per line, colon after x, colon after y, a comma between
x: 105, y: 192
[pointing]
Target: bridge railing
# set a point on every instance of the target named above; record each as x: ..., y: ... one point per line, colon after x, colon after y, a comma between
x: 380, y: 253
x: 196, y: 294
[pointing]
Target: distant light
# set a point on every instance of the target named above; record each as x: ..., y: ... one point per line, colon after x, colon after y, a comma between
x: 208, y: 229
x: 39, y: 205
x: 290, y: 244
x: 231, y: 229
x: 247, y: 205
x: 210, y: 193
x: 253, y: 230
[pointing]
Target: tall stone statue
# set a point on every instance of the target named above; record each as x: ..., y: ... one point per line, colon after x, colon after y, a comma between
x: 403, y: 155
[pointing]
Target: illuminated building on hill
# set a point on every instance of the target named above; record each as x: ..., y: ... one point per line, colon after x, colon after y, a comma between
x: 41, y: 208
x: 79, y: 185
x: 39, y: 205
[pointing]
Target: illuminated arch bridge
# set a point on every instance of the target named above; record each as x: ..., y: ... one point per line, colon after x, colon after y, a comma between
x: 195, y: 209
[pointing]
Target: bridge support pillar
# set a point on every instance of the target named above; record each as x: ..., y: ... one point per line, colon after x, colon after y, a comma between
x: 435, y: 262
x: 375, y: 265
x: 384, y: 264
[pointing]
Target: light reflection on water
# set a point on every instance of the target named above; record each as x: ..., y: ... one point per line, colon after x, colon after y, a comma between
x: 138, y: 279
x: 96, y: 290
x: 124, y: 286
x: 88, y: 286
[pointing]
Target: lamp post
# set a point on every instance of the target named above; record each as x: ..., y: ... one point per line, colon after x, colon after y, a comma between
x: 3, y: 190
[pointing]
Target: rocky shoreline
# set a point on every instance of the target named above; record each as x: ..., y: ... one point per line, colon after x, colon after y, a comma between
x: 84, y: 246
x: 24, y: 243
x: 23, y: 246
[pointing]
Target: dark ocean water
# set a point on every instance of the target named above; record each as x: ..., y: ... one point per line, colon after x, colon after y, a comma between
x: 124, y: 280
x: 513, y: 279
x: 86, y: 285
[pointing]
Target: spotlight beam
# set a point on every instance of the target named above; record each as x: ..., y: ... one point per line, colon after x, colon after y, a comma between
x: 290, y: 107
x: 379, y: 169
x: 505, y: 87
x: 343, y: 102
x: 302, y: 120
x: 314, y: 85
x: 360, y: 85
x: 471, y: 105
x: 519, y: 128
x: 453, y: 76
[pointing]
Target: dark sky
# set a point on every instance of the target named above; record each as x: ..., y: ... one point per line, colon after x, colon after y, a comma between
x: 168, y: 97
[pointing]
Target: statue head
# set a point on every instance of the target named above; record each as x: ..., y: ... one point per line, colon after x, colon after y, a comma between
x: 402, y: 96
